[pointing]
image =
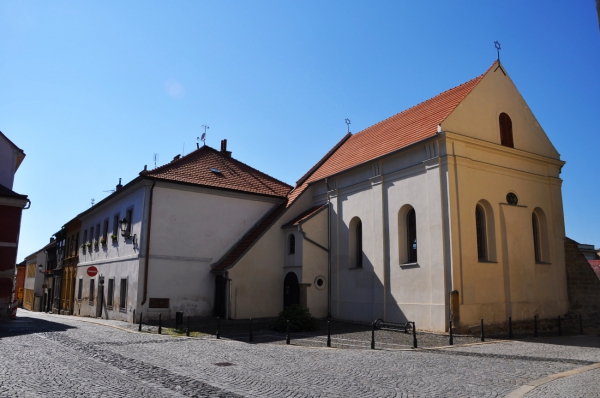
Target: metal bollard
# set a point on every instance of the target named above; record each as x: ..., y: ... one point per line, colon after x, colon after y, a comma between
x: 414, y: 336
x: 140, y: 327
x: 580, y: 324
x: 218, y: 328
x: 559, y: 327
x: 287, y: 331
x: 482, y: 332
x: 535, y: 330
x: 510, y: 333
x: 250, y: 336
x: 373, y: 336
x: 328, y: 335
x: 159, y: 323
x: 187, y: 330
x: 451, y: 336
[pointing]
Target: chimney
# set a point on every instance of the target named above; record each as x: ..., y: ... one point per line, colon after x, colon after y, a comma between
x: 119, y: 186
x: 224, y: 150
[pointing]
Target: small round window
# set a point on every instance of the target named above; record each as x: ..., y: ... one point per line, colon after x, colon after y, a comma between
x: 512, y: 199
x: 319, y: 282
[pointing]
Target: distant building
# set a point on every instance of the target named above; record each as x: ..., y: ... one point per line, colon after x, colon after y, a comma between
x: 11, y: 205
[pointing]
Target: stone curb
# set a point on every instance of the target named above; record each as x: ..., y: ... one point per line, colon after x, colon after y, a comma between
x: 526, y: 388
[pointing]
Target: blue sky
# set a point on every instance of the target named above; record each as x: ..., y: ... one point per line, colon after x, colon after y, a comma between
x: 91, y: 90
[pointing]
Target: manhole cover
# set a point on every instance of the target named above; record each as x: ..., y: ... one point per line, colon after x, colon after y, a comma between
x: 224, y: 364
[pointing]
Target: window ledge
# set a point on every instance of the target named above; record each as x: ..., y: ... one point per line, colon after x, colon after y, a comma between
x: 487, y: 262
x: 122, y: 310
x: 91, y: 303
x: 543, y: 263
x: 410, y: 265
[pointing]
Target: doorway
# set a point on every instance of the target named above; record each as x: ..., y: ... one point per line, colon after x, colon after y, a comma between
x: 291, y: 290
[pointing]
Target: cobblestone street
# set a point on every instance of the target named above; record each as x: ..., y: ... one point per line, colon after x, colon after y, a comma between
x: 58, y: 356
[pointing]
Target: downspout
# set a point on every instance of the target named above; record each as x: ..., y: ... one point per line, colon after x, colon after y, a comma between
x: 148, y: 245
x: 328, y: 251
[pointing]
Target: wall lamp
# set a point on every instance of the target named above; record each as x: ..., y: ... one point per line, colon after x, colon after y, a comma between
x: 125, y: 231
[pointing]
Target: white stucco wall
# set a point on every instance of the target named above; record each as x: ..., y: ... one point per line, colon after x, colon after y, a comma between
x: 192, y: 228
x: 116, y: 260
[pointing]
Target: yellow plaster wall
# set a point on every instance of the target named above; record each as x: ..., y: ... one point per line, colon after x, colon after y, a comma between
x: 314, y: 263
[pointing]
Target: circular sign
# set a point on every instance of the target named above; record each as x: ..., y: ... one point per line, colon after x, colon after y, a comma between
x: 92, y: 271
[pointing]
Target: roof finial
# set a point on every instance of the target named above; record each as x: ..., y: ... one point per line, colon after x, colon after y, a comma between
x: 348, y: 123
x: 498, y: 48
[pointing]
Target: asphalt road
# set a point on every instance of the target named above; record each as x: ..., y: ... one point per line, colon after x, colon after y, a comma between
x: 44, y: 355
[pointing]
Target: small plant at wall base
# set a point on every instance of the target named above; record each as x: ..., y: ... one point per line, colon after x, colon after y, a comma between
x: 113, y: 237
x: 103, y: 241
x: 300, y: 320
x: 96, y: 244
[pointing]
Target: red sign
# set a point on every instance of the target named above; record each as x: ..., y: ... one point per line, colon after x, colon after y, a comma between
x: 92, y: 271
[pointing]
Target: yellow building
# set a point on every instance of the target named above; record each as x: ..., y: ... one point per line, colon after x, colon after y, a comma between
x: 70, y: 261
x: 450, y: 209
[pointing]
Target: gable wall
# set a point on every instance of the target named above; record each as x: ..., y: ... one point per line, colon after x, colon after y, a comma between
x: 477, y: 116
x: 193, y: 228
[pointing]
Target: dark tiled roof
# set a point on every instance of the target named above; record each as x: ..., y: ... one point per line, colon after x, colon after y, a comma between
x: 304, y: 216
x: 209, y: 167
x: 399, y: 131
x: 8, y: 193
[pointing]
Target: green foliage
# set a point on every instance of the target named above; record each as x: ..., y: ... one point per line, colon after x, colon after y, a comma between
x: 300, y: 320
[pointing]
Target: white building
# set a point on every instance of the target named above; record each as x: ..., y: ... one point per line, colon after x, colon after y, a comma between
x: 182, y: 217
x: 450, y: 209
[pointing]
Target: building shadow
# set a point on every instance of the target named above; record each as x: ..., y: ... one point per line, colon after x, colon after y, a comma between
x: 24, y: 325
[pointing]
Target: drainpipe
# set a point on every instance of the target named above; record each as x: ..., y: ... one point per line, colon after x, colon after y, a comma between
x: 328, y: 252
x: 148, y: 245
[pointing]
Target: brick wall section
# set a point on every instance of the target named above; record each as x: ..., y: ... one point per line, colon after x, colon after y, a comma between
x: 583, y: 286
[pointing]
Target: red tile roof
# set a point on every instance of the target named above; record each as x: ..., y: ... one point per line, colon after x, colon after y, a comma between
x: 399, y: 131
x: 209, y: 167
x: 304, y: 216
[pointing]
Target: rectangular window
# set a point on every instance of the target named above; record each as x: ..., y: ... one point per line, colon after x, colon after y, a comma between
x: 91, y: 235
x: 110, y: 293
x: 80, y: 289
x: 129, y: 217
x: 105, y: 230
x: 123, y: 295
x: 115, y: 230
x: 85, y: 236
x: 92, y: 292
x: 97, y: 232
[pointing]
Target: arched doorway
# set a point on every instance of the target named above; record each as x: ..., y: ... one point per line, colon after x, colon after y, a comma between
x: 291, y: 290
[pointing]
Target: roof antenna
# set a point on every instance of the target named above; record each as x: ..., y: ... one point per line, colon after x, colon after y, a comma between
x: 203, y: 136
x: 93, y: 201
x: 155, y: 159
x: 183, y: 150
x: 498, y: 48
x: 348, y: 123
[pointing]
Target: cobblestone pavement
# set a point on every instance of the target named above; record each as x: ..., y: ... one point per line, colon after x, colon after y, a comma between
x: 583, y: 385
x: 48, y: 355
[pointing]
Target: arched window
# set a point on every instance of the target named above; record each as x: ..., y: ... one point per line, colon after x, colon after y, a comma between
x: 506, y: 132
x: 358, y: 254
x: 536, y: 237
x: 356, y: 243
x: 292, y: 248
x: 481, y: 234
x: 411, y: 234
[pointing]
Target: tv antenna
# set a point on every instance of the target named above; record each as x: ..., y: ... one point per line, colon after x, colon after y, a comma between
x: 348, y: 123
x: 93, y: 201
x: 155, y: 159
x: 498, y: 48
x: 203, y: 136
x: 110, y: 190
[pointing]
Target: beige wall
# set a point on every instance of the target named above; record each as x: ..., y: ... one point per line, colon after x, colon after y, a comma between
x: 511, y: 283
x: 314, y: 262
x: 256, y: 288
